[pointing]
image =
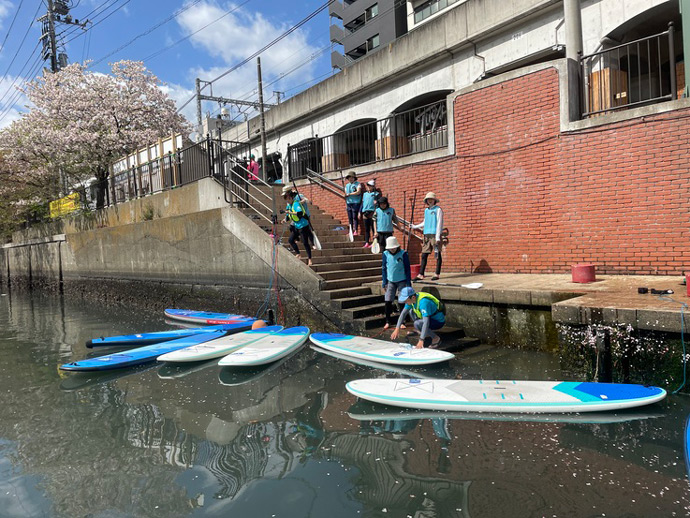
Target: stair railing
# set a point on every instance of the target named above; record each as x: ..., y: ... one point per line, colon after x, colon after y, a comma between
x: 244, y: 189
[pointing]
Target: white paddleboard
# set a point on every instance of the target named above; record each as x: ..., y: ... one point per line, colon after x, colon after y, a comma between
x: 269, y: 349
x: 219, y: 347
x: 379, y: 350
x: 504, y: 396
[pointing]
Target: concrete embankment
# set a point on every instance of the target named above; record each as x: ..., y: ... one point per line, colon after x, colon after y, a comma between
x: 183, y: 248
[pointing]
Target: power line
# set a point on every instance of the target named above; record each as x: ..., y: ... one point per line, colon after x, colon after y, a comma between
x: 11, y: 25
x: 147, y: 31
x: 18, y: 93
x: 21, y: 44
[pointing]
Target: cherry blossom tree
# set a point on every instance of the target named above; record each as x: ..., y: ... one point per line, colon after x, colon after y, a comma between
x: 79, y: 122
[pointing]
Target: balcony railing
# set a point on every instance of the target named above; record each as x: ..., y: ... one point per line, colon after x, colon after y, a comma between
x: 406, y: 133
x: 629, y: 75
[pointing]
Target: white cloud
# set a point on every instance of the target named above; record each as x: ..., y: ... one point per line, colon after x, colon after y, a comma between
x: 5, y: 8
x: 11, y: 106
x: 236, y: 37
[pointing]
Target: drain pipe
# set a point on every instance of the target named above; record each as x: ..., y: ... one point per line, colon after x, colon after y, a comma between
x: 685, y: 20
x: 483, y: 59
x: 573, y: 50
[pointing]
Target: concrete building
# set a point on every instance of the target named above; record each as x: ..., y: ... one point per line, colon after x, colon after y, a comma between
x: 367, y: 26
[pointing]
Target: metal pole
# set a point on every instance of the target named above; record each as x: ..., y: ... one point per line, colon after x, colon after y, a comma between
x: 53, y: 43
x: 672, y: 61
x: 264, y: 159
x: 573, y: 28
x: 198, y: 110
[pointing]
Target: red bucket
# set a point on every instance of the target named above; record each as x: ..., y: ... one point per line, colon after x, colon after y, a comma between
x: 583, y: 273
x: 414, y: 270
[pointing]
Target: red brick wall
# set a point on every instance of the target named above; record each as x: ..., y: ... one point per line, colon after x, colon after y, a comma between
x: 519, y: 196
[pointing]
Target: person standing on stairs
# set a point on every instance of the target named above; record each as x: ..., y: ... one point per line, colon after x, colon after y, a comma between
x: 298, y: 212
x: 253, y: 169
x: 353, y: 198
x: 432, y: 226
x: 395, y: 274
x: 384, y: 219
x: 369, y: 199
x: 429, y: 315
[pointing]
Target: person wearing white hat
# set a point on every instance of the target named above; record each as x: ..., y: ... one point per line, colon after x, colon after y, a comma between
x: 369, y: 199
x: 432, y: 226
x: 395, y: 274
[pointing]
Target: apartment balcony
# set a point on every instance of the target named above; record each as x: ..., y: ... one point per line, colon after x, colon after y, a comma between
x: 336, y: 9
x: 337, y: 34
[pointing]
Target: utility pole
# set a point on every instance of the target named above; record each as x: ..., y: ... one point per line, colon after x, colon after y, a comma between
x: 573, y: 52
x: 58, y: 11
x: 263, y: 120
x: 198, y: 110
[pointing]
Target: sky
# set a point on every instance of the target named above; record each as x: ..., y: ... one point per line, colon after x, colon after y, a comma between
x: 178, y: 40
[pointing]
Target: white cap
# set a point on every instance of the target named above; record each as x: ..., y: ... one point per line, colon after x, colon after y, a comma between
x: 430, y: 196
x: 371, y: 182
x: 392, y: 243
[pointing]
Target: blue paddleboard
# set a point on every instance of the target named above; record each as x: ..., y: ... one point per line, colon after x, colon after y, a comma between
x: 144, y: 354
x: 204, y: 317
x: 156, y: 337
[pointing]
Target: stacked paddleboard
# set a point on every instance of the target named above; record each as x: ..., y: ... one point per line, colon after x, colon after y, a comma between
x: 379, y: 351
x: 272, y: 348
x: 204, y: 317
x: 505, y: 396
x: 156, y: 337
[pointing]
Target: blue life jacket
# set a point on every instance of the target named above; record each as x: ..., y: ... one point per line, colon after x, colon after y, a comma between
x: 384, y: 219
x: 431, y: 219
x: 349, y: 189
x: 395, y: 265
x: 368, y: 200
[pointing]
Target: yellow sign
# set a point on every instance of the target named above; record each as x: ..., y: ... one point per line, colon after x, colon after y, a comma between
x: 64, y: 206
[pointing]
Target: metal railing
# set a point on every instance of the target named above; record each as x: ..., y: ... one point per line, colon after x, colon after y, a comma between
x: 405, y: 133
x: 633, y: 74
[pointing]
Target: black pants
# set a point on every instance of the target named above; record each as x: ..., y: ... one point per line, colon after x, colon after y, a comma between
x: 382, y: 239
x: 368, y: 228
x: 305, y: 235
x: 439, y: 262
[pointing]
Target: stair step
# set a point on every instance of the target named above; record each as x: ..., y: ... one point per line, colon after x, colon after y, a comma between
x: 343, y: 293
x: 372, y: 322
x: 361, y: 300
x: 352, y: 265
x: 458, y: 344
x: 348, y: 274
x: 365, y: 311
x: 321, y: 258
x: 351, y: 282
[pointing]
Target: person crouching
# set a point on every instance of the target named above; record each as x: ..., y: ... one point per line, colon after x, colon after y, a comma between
x: 395, y: 274
x: 428, y: 313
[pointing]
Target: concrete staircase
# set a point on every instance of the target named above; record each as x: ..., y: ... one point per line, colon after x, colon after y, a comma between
x: 345, y: 267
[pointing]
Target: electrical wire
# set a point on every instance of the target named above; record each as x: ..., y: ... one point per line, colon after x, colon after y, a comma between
x: 18, y: 93
x: 7, y: 35
x: 21, y: 44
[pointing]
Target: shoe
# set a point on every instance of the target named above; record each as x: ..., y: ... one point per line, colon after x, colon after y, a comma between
x: 366, y: 245
x: 355, y: 233
x: 435, y: 278
x: 419, y: 277
x: 435, y: 343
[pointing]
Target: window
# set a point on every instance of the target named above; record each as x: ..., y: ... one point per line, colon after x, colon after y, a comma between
x: 372, y: 12
x: 373, y: 42
x: 426, y: 9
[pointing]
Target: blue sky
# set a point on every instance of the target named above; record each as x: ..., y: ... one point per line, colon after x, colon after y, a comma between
x: 216, y: 36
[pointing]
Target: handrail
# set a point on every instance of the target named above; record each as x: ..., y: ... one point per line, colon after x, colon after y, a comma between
x: 629, y: 43
x: 246, y: 191
x: 321, y: 180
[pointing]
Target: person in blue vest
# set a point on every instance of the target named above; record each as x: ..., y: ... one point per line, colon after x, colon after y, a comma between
x: 353, y: 198
x: 428, y: 313
x: 384, y: 219
x: 395, y: 274
x: 432, y: 226
x: 297, y: 211
x: 369, y: 199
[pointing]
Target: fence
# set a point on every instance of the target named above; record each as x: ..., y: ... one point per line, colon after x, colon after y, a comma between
x: 632, y: 74
x: 405, y: 133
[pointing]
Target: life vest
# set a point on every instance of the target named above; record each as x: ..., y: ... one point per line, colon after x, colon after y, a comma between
x: 431, y: 220
x: 440, y: 306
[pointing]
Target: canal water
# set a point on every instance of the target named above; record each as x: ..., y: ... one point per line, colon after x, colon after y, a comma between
x: 289, y: 441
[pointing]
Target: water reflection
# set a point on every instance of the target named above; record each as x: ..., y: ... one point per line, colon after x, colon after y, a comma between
x: 288, y: 440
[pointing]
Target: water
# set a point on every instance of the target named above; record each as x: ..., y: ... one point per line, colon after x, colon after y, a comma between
x: 289, y: 441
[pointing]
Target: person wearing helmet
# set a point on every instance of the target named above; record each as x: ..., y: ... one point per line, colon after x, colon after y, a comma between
x: 432, y: 226
x: 428, y: 313
x: 253, y: 169
x: 395, y: 274
x: 369, y: 198
x: 384, y: 219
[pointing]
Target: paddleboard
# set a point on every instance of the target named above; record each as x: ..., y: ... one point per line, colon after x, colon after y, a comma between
x: 505, y: 396
x: 204, y: 317
x: 220, y: 347
x: 379, y: 350
x: 154, y: 337
x: 233, y: 377
x: 141, y: 355
x: 268, y: 349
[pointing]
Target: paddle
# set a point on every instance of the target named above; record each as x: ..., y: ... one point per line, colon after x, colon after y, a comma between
x: 409, y: 230
x: 317, y: 243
